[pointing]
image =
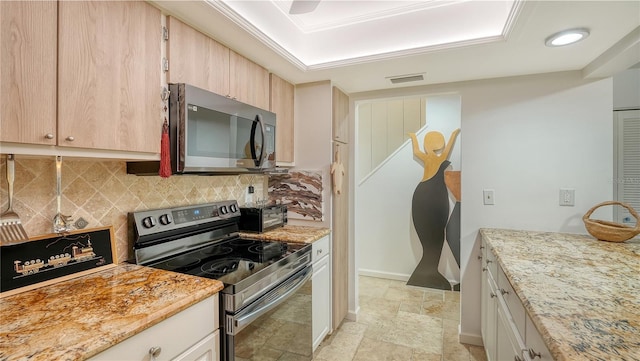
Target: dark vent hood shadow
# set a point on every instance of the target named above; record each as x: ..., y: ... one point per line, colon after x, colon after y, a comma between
x: 152, y: 168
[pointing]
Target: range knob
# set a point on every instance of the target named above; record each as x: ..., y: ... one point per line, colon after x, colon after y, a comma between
x: 223, y: 210
x: 148, y: 222
x: 165, y: 219
x: 233, y: 208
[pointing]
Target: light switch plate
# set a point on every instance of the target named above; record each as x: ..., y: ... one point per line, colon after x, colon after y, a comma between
x: 488, y: 197
x: 567, y: 197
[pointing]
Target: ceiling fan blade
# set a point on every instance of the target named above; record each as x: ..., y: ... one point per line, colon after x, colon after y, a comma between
x: 303, y: 6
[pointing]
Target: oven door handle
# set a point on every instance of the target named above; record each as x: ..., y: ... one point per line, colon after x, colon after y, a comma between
x: 271, y: 300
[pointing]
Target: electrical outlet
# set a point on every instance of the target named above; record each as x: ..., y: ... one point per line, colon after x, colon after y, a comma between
x: 567, y: 197
x: 488, y: 197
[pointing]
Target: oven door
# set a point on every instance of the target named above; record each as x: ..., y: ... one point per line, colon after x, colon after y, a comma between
x: 277, y: 324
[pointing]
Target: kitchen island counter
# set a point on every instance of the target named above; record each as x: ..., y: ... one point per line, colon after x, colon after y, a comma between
x: 581, y: 294
x: 78, y: 318
x: 290, y: 233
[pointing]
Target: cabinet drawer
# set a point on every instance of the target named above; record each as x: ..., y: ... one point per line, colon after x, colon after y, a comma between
x: 513, y: 301
x: 509, y: 345
x: 191, y: 325
x: 320, y: 248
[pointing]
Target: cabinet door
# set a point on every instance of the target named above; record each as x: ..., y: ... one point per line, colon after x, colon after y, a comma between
x: 340, y: 116
x: 507, y: 348
x: 208, y: 349
x: 489, y: 316
x: 340, y: 239
x: 28, y: 63
x: 196, y: 59
x: 321, y: 300
x: 281, y: 103
x: 249, y: 82
x: 109, y: 75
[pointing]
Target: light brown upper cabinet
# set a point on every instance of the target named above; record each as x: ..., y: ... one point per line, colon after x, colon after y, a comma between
x: 282, y: 98
x: 28, y: 71
x: 340, y: 116
x: 109, y: 75
x: 81, y: 74
x: 249, y: 82
x: 196, y: 59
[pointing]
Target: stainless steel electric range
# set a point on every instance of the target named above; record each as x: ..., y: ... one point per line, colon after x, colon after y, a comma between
x: 266, y: 300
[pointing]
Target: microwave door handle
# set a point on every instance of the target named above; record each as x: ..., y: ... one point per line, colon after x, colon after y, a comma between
x: 252, y: 141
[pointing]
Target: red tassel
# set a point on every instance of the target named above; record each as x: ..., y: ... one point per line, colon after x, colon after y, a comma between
x: 165, y: 155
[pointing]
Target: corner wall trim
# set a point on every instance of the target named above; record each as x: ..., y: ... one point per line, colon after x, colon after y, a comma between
x: 470, y: 339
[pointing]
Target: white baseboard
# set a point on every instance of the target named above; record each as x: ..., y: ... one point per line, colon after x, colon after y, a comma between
x: 353, y: 315
x: 387, y: 275
x: 469, y: 339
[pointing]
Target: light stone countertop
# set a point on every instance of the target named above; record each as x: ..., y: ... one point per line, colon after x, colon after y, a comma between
x: 583, y: 295
x: 78, y: 318
x: 289, y: 233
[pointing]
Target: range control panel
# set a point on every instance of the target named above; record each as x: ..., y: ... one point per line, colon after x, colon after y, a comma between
x: 161, y: 220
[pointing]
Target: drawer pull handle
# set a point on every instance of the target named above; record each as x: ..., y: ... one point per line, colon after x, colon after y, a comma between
x: 492, y: 295
x: 534, y: 354
x: 481, y: 247
x: 504, y: 292
x: 49, y: 136
x: 155, y: 352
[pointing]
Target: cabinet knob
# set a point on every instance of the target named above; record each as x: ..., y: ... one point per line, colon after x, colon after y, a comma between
x: 484, y: 269
x: 479, y: 257
x: 155, y: 351
x: 489, y: 261
x: 481, y: 247
x: 49, y: 136
x: 319, y: 251
x: 70, y: 138
x: 533, y: 354
x: 503, y: 291
x: 492, y: 295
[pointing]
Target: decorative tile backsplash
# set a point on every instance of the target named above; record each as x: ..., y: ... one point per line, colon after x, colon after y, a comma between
x: 102, y: 193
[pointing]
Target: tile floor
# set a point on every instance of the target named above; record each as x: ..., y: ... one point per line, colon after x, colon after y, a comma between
x: 400, y: 323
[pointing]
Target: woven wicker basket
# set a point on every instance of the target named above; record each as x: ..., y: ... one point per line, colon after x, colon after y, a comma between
x: 611, y: 231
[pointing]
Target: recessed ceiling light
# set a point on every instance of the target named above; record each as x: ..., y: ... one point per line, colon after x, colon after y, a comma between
x: 567, y: 37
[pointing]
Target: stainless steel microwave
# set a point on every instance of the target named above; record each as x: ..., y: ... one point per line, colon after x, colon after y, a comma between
x: 210, y: 133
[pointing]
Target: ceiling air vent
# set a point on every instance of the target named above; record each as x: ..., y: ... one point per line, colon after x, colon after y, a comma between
x: 406, y: 78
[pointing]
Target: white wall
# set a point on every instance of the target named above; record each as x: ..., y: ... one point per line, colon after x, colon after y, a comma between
x: 626, y: 90
x: 526, y: 137
x: 312, y: 133
x: 388, y: 244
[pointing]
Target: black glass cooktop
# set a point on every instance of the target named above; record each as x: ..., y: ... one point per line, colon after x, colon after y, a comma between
x: 230, y: 261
